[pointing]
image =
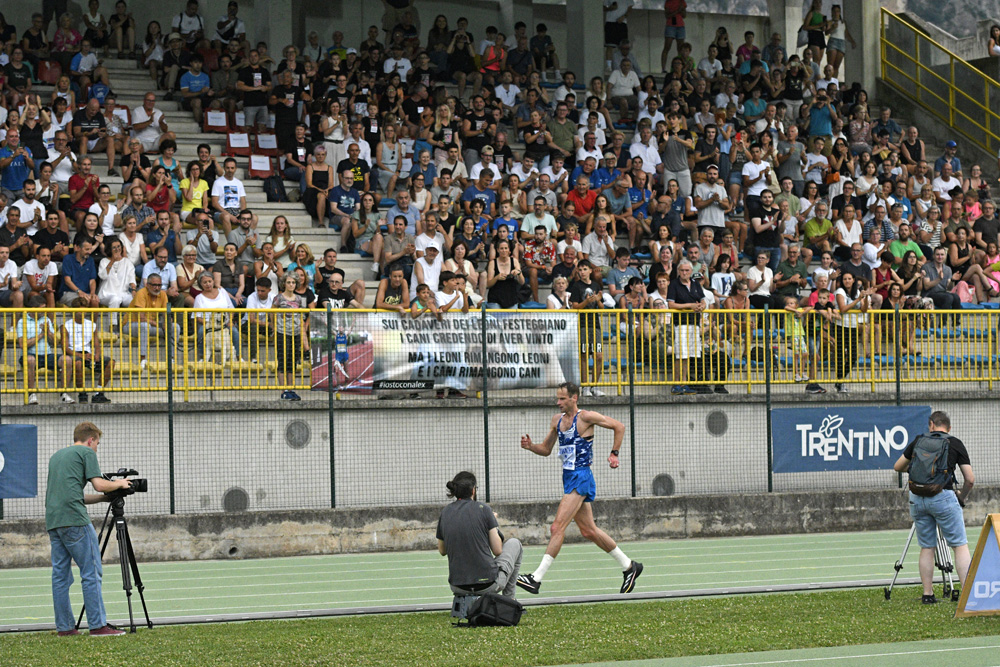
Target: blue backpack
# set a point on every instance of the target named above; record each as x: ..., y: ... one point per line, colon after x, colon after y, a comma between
x: 929, y: 465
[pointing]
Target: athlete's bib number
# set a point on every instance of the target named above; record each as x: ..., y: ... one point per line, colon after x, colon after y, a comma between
x: 568, y: 454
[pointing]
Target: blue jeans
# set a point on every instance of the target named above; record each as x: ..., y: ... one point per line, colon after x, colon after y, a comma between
x: 940, y: 511
x: 77, y: 543
x: 143, y: 330
x: 293, y: 173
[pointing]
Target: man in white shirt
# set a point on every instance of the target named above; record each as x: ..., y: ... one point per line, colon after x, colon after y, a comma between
x: 106, y: 212
x: 589, y: 149
x: 943, y: 185
x: 525, y: 170
x: 32, y: 212
x: 63, y: 161
x: 39, y: 276
x: 624, y: 84
x: 598, y: 247
x: 649, y: 154
x: 397, y: 63
x: 712, y: 201
x: 652, y: 111
x: 728, y: 96
x: 486, y: 162
x: 569, y: 79
x: 431, y: 234
x: 358, y: 137
x: 828, y: 78
x: 229, y: 197
x: 149, y: 125
x: 228, y: 28
x: 258, y: 326
x: 710, y: 66
x: 11, y: 295
x: 507, y: 92
x: 190, y: 25
x: 755, y: 175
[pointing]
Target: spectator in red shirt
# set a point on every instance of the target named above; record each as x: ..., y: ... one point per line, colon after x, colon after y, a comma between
x: 83, y: 188
x: 583, y: 199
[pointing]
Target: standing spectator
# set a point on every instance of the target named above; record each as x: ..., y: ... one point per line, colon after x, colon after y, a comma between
x: 214, y: 325
x: 228, y: 28
x: 152, y: 50
x: 675, y: 11
x: 678, y: 142
x: 255, y: 84
x: 289, y: 332
x: 190, y: 26
x: 65, y: 42
x: 624, y: 84
x: 229, y: 197
x: 685, y: 294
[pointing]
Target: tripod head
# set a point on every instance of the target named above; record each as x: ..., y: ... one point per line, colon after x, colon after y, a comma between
x: 118, y: 497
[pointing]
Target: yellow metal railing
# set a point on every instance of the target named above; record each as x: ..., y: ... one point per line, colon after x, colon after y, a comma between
x: 125, y: 350
x: 741, y: 349
x: 941, y: 82
x: 243, y: 350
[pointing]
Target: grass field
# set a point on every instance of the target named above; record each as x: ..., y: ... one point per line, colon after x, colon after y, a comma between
x: 547, y: 635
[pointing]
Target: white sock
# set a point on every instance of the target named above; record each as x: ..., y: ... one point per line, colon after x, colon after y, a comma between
x: 543, y: 568
x: 622, y: 559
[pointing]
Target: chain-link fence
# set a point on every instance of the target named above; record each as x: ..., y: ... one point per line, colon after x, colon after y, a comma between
x: 391, y: 406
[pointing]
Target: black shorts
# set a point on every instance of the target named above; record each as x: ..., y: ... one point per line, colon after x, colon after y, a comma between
x: 615, y: 33
x: 591, y: 340
x: 94, y: 365
x: 816, y: 38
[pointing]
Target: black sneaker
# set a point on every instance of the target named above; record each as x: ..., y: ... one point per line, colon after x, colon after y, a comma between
x: 82, y: 398
x: 630, y: 575
x: 813, y: 388
x: 702, y: 389
x: 719, y: 389
x: 99, y: 397
x: 528, y: 583
x: 929, y: 599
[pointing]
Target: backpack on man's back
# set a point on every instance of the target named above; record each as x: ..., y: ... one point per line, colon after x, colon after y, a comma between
x: 929, y: 471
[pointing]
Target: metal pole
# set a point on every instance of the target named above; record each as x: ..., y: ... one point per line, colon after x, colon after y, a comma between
x: 329, y: 399
x: 486, y: 407
x: 169, y: 325
x: 631, y: 393
x: 767, y: 389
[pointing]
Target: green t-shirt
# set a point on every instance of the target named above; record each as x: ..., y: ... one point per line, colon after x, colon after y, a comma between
x: 816, y: 227
x: 787, y: 270
x: 69, y: 471
x: 898, y: 249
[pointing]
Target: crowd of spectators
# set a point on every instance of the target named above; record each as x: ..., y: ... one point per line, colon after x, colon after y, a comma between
x: 473, y: 171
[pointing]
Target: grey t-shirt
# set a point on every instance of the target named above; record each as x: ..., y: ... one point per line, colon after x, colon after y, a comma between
x: 206, y: 256
x: 675, y: 154
x: 238, y: 236
x: 712, y: 215
x: 464, y: 527
x: 792, y: 167
x: 931, y: 271
x: 617, y: 204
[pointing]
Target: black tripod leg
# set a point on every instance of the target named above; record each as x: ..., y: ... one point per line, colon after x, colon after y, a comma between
x: 899, y: 563
x: 121, y: 529
x: 104, y: 548
x: 136, y: 577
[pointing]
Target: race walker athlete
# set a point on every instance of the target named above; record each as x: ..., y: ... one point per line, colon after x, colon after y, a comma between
x: 574, y: 430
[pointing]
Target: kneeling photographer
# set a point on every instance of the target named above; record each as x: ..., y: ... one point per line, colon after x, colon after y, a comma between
x: 479, y: 561
x: 931, y: 461
x: 71, y: 532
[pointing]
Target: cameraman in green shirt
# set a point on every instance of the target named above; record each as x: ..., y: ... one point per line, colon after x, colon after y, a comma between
x: 71, y: 532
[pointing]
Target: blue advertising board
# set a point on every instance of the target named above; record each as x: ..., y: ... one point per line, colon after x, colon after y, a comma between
x: 843, y: 438
x: 18, y: 461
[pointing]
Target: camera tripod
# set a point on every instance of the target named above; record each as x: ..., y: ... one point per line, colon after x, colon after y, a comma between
x: 942, y: 561
x: 126, y: 557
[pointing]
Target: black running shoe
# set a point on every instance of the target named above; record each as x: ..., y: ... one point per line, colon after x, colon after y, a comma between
x: 929, y: 599
x: 99, y: 397
x: 528, y: 583
x: 630, y: 575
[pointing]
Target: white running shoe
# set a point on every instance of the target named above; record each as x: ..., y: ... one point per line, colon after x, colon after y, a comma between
x: 587, y: 391
x: 597, y: 392
x: 32, y: 399
x: 66, y: 398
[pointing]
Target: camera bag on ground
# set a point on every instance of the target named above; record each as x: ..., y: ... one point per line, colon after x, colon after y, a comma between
x: 494, y: 610
x: 929, y: 464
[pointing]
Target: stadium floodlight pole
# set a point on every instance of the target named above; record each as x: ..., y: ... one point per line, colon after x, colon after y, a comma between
x: 169, y: 326
x: 486, y: 407
x: 631, y: 393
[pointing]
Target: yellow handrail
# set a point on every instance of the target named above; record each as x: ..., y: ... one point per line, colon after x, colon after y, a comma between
x: 899, y: 49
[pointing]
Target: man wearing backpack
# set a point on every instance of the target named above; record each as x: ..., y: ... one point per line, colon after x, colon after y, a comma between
x: 931, y: 460
x: 479, y: 561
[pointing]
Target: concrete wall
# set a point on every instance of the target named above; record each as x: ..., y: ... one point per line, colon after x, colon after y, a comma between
x: 273, y: 534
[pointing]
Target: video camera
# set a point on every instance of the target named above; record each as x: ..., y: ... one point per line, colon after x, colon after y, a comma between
x: 136, y: 485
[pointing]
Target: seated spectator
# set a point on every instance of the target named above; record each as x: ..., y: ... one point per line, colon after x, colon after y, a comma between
x: 121, y: 27
x: 624, y: 90
x: 79, y: 277
x: 163, y: 233
x: 246, y: 240
x: 196, y: 88
x: 160, y: 266
x: 82, y: 352
x: 11, y: 289
x: 86, y: 70
x: 298, y: 156
x: 117, y: 276
x: 217, y: 325
x: 190, y: 27
x: 142, y: 325
x: 204, y: 238
x: 149, y: 125
x: 223, y: 84
x: 230, y: 274
x: 65, y: 42
x: 42, y: 352
x: 133, y: 244
x: 16, y: 165
x: 344, y: 200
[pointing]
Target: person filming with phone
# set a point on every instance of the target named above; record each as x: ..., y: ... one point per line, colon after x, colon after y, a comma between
x: 931, y: 460
x: 71, y: 532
